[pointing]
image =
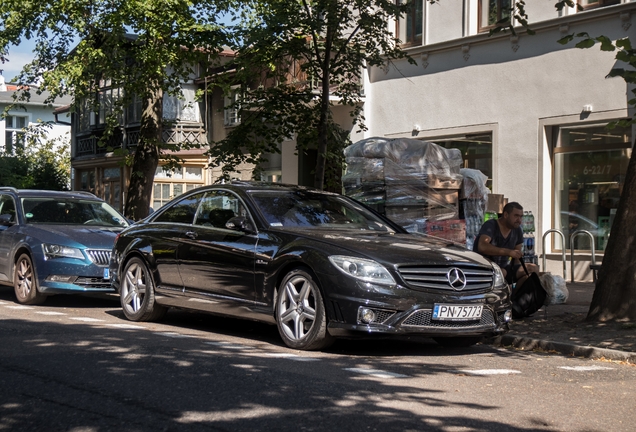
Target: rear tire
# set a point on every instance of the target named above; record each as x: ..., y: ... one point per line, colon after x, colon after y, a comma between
x: 462, y: 341
x: 137, y: 293
x: 300, y: 313
x: 25, y: 282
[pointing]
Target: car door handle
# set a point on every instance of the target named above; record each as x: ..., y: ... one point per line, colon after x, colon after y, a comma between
x: 191, y: 234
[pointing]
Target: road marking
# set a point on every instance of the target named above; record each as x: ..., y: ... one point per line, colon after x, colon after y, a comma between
x: 290, y: 356
x: 490, y: 372
x: 585, y: 368
x: 19, y: 307
x: 126, y: 326
x: 50, y: 313
x: 173, y: 335
x: 228, y: 345
x: 376, y: 373
x: 86, y: 319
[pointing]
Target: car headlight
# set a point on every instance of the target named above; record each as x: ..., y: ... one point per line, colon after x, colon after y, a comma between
x: 499, y: 277
x: 363, y: 269
x: 59, y: 251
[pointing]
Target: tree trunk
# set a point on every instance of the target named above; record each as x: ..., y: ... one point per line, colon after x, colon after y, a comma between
x: 615, y: 294
x: 146, y: 158
x: 323, y: 126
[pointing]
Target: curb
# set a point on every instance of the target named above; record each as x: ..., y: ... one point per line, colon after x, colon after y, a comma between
x: 530, y: 344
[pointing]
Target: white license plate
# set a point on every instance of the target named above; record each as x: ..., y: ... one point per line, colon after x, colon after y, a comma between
x: 106, y: 274
x: 449, y: 312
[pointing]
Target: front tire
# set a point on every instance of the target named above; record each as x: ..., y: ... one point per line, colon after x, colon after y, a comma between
x: 300, y: 313
x: 25, y: 282
x: 137, y: 293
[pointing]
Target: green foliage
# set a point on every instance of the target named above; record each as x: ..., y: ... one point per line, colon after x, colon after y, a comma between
x: 143, y: 48
x: 39, y: 164
x: 294, y: 59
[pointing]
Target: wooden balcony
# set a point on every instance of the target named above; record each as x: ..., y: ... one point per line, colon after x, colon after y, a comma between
x: 87, y: 144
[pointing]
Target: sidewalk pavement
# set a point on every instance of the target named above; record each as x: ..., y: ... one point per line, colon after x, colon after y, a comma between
x: 562, y: 329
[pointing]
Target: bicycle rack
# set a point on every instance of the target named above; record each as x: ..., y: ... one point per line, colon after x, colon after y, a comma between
x: 572, y: 237
x: 563, y: 258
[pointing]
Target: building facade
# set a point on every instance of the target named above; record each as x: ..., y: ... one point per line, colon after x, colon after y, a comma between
x: 527, y: 111
x: 25, y: 114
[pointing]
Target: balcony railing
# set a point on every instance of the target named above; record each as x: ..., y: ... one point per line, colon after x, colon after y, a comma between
x: 87, y: 145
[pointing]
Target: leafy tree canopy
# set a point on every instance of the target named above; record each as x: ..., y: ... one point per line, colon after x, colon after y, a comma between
x: 142, y: 47
x: 294, y: 59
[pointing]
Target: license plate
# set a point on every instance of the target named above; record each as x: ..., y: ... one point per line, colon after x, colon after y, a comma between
x: 106, y: 274
x: 448, y: 312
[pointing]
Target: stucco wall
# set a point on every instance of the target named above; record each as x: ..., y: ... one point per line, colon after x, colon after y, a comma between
x: 507, y: 86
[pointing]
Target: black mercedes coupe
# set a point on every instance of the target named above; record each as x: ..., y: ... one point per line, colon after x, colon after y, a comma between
x: 318, y: 265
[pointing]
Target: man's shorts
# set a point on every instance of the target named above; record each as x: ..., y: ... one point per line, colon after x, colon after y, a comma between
x: 511, y: 272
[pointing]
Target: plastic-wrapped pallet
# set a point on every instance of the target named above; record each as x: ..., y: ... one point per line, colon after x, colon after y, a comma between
x: 410, y: 181
x: 474, y: 196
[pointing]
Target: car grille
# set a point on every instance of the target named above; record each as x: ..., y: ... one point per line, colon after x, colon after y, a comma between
x: 99, y: 256
x: 422, y: 318
x: 436, y: 277
x: 381, y: 316
x: 88, y: 282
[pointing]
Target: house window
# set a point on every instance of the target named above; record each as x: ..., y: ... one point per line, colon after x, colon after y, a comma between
x: 232, y: 107
x: 172, y: 183
x: 14, y: 132
x: 133, y: 111
x: 590, y: 163
x: 590, y: 4
x: 493, y: 11
x: 107, y: 99
x: 410, y: 27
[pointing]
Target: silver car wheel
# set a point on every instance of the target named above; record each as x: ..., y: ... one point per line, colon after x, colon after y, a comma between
x: 297, y: 311
x: 134, y: 287
x: 137, y: 293
x: 25, y: 284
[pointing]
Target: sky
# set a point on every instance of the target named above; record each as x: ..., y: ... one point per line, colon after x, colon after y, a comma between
x: 18, y: 57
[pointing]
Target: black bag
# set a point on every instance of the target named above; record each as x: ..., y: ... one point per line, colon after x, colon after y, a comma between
x: 529, y: 297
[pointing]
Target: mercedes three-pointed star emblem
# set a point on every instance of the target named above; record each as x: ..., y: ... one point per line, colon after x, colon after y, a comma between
x: 456, y: 279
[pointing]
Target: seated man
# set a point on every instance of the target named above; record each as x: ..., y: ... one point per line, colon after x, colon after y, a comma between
x: 501, y: 241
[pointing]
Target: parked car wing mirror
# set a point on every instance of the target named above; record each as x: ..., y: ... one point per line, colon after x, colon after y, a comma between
x: 6, y: 219
x: 239, y: 223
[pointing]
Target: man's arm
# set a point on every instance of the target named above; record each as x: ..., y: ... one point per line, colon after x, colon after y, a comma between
x: 485, y: 248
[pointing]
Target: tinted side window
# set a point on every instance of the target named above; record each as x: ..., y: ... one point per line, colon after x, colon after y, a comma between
x: 7, y: 206
x: 182, y: 211
x: 218, y: 207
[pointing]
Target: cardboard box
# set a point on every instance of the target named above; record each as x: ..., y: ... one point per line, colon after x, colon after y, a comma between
x: 496, y: 203
x: 451, y: 229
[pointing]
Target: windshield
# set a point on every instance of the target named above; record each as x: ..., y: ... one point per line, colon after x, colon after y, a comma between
x: 305, y: 209
x: 63, y: 211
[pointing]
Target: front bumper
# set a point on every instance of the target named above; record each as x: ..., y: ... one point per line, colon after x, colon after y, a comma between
x: 403, y: 311
x: 64, y: 276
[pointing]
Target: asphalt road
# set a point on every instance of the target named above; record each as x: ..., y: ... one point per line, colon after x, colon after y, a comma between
x: 76, y: 364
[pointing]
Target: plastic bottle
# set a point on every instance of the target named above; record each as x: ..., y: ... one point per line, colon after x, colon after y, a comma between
x: 530, y: 222
x: 524, y: 222
x: 530, y: 245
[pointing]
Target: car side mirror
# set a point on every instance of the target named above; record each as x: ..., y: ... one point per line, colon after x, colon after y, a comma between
x: 6, y: 220
x: 239, y: 223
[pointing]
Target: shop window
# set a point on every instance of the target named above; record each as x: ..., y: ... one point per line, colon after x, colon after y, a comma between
x: 590, y: 4
x: 493, y: 11
x: 590, y: 163
x: 476, y: 151
x: 410, y: 27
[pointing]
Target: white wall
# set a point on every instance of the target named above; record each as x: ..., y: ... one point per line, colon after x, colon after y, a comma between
x: 510, y: 87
